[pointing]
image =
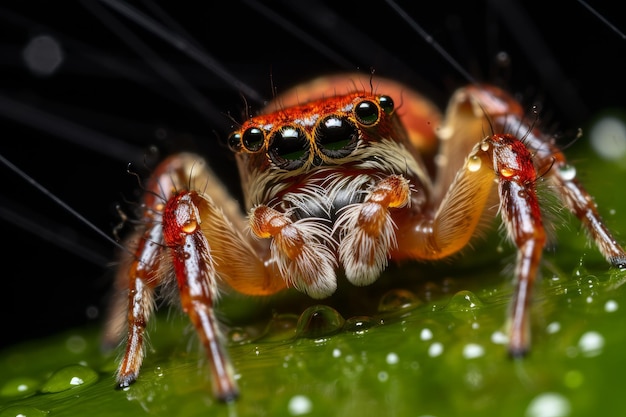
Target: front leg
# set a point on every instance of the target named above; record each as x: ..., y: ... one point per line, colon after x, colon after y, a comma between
x: 506, y: 160
x: 464, y: 190
x: 196, y: 275
x: 520, y: 211
x: 136, y: 281
x: 367, y: 231
x: 301, y: 250
x: 482, y: 108
x: 505, y: 115
x: 195, y: 238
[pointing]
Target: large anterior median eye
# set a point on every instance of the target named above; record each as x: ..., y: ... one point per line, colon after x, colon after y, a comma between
x: 289, y: 147
x: 336, y: 137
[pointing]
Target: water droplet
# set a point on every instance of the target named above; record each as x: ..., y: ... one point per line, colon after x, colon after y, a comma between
x: 299, y: 405
x: 507, y: 172
x: 76, y: 381
x: 392, y: 358
x: 360, y: 324
x: 238, y: 335
x: 190, y: 226
x: 611, y: 306
x: 319, y: 320
x: 549, y: 404
x: 567, y: 172
x: 435, y: 349
x: 591, y: 281
x: 474, y: 163
x: 21, y: 386
x: 464, y: 301
x: 426, y: 334
x: 499, y: 338
x: 473, y: 350
x: 591, y: 343
x: 608, y: 138
x: 397, y: 300
x: 484, y: 145
x: 553, y: 327
x: 69, y: 377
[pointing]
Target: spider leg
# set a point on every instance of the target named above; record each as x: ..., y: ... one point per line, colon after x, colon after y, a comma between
x: 521, y: 214
x: 300, y: 249
x: 195, y: 238
x: 427, y: 237
x: 576, y: 198
x: 517, y: 156
x: 367, y: 231
x: 137, y: 280
x: 197, y: 283
x: 506, y: 115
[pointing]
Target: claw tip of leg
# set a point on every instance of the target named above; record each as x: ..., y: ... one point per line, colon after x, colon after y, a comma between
x: 518, y: 353
x: 228, y: 397
x: 618, y: 262
x: 125, y: 382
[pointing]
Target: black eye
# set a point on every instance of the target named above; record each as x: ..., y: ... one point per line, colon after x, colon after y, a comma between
x: 234, y: 142
x: 336, y: 137
x: 253, y: 139
x: 366, y: 112
x: 386, y: 103
x: 289, y: 148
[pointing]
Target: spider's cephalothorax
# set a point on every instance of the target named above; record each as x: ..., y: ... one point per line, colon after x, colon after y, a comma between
x: 341, y: 184
x: 320, y: 179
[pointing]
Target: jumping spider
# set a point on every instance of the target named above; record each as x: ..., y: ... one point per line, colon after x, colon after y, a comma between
x: 339, y: 183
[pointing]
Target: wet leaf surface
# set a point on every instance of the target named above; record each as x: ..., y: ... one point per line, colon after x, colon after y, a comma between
x: 434, y: 348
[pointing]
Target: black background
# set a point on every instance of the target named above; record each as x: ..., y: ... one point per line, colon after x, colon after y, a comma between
x: 55, y: 269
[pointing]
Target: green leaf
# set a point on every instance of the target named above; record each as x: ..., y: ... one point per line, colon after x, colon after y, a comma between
x: 426, y: 340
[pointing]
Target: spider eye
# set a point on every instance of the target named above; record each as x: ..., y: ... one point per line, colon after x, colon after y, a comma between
x: 366, y: 112
x: 253, y: 139
x: 289, y: 148
x: 386, y: 103
x: 234, y: 142
x: 336, y: 137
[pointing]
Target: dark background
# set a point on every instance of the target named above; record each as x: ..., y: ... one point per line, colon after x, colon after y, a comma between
x: 76, y: 130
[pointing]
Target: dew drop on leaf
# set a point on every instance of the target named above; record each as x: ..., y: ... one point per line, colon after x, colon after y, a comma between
x: 69, y: 377
x: 397, y: 300
x: 319, y: 320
